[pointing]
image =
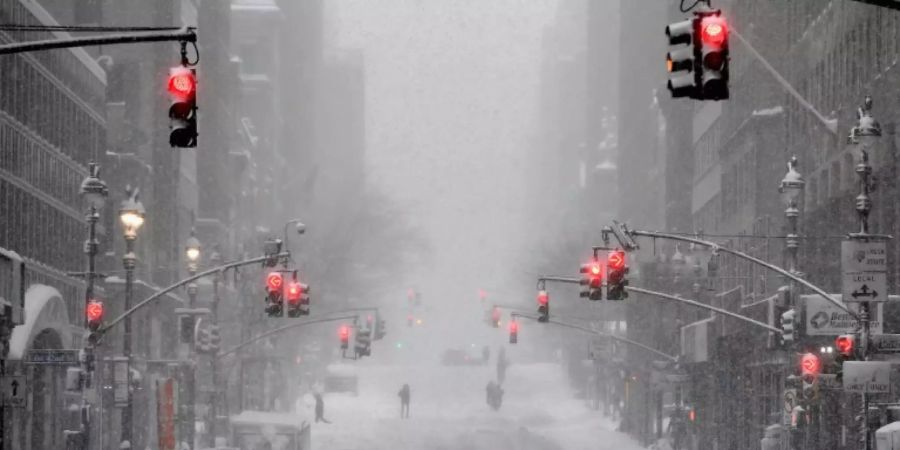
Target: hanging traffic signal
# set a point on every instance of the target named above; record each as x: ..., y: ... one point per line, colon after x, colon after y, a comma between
x: 810, y: 367
x: 513, y: 332
x: 183, y: 110
x: 379, y: 328
x: 543, y: 299
x: 615, y: 276
x: 495, y: 317
x: 274, y: 288
x: 713, y: 31
x: 789, y: 326
x: 592, y: 280
x: 363, y: 343
x: 94, y: 313
x: 298, y: 301
x: 680, y: 61
x: 344, y: 334
x: 845, y: 344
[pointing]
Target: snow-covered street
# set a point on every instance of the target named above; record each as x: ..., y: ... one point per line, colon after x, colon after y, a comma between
x: 448, y: 411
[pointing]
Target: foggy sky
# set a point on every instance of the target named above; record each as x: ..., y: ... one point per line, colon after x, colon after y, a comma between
x: 452, y: 92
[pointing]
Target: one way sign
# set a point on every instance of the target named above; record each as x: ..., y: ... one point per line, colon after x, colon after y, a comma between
x: 14, y: 390
x: 864, y: 267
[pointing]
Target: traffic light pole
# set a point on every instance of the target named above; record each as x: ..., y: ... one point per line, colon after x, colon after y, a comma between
x: 703, y: 306
x: 542, y: 281
x: 746, y: 257
x: 187, y: 34
x: 279, y: 330
x: 599, y: 333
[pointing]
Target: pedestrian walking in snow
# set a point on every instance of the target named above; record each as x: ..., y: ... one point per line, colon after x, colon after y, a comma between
x: 404, y: 401
x: 320, y: 408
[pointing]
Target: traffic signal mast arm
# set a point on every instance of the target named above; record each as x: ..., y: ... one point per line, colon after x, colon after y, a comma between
x: 772, y: 267
x: 281, y: 330
x: 704, y: 306
x: 545, y: 278
x: 186, y: 281
x: 187, y: 34
x: 599, y: 333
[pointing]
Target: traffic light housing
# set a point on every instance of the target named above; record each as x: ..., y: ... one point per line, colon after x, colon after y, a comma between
x: 495, y: 317
x: 789, y: 326
x: 94, y: 315
x: 344, y: 335
x: 616, y: 269
x: 363, y: 343
x: 182, y: 88
x: 810, y: 367
x: 713, y: 52
x: 274, y: 293
x: 296, y: 294
x: 845, y: 345
x: 592, y: 280
x: 680, y: 61
x: 513, y: 332
x: 543, y: 299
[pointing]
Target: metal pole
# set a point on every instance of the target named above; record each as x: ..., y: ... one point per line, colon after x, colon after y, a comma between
x: 747, y: 257
x: 184, y: 35
x: 188, y: 422
x: 704, y: 306
x: 213, y: 405
x: 128, y: 261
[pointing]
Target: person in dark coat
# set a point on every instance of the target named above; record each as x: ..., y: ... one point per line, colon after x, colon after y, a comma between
x: 404, y: 401
x: 320, y: 408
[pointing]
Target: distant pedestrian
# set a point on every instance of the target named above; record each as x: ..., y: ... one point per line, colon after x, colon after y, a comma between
x: 404, y: 401
x: 320, y: 408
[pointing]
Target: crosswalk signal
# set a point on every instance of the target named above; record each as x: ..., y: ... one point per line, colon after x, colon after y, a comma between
x: 543, y: 299
x: 680, y: 61
x: 183, y: 109
x: 592, y: 280
x: 615, y: 276
x: 713, y: 31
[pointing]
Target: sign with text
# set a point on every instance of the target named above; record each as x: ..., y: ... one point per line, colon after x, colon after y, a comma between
x: 61, y: 357
x: 823, y: 318
x: 886, y: 343
x: 870, y: 377
x: 864, y: 267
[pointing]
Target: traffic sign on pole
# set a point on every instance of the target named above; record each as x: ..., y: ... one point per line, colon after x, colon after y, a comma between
x: 864, y: 267
x: 14, y: 389
x: 867, y: 377
x: 55, y: 357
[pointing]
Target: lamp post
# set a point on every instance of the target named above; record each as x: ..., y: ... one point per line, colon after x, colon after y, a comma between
x: 192, y: 249
x: 131, y: 214
x: 791, y: 187
x: 94, y: 191
x: 215, y: 260
x: 864, y: 136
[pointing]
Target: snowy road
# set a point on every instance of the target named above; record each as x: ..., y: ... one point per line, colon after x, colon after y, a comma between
x: 448, y: 411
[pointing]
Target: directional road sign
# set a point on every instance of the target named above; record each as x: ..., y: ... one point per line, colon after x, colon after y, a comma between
x: 872, y: 377
x: 14, y: 390
x: 864, y: 267
x: 56, y: 357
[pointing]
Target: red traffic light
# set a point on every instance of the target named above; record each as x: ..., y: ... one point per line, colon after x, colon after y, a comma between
x: 182, y: 82
x: 616, y: 260
x: 495, y: 314
x: 595, y: 268
x: 844, y: 344
x: 293, y: 292
x: 543, y: 298
x: 513, y: 327
x: 274, y: 281
x: 482, y: 294
x: 810, y: 365
x: 713, y: 31
x: 344, y: 332
x: 94, y: 311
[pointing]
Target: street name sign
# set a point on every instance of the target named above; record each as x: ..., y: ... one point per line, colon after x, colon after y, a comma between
x: 864, y: 267
x: 868, y: 377
x: 886, y: 343
x: 14, y: 390
x: 61, y: 357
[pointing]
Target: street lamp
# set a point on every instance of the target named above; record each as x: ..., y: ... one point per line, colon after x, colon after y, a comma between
x: 865, y: 135
x: 94, y: 191
x: 678, y: 262
x: 192, y: 252
x: 131, y: 214
x: 791, y: 187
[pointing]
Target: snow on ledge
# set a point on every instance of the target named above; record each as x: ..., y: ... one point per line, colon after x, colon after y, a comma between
x: 773, y: 111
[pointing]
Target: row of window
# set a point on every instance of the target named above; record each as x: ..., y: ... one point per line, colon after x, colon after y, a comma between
x: 39, y: 104
x: 37, y: 230
x: 39, y: 165
x: 63, y: 64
